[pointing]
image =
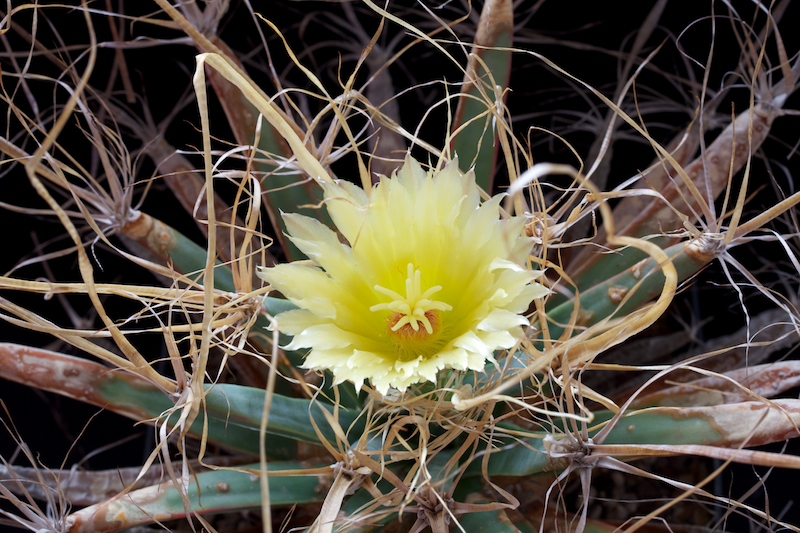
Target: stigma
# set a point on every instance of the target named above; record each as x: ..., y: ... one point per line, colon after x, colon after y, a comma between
x: 416, y: 315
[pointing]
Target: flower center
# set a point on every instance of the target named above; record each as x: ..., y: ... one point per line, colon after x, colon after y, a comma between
x: 415, y: 310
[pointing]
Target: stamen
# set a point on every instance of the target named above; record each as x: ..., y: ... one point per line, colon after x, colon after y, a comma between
x: 415, y: 309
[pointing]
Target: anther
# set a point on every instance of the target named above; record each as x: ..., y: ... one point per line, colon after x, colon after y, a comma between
x: 407, y: 313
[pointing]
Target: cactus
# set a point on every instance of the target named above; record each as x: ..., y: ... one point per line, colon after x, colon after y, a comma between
x: 327, y: 350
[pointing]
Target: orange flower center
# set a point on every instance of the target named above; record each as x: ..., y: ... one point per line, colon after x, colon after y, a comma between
x: 406, y: 332
x: 415, y: 316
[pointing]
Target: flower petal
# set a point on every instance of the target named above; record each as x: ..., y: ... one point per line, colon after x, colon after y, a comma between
x: 423, y: 250
x: 326, y: 336
x: 347, y: 206
x: 501, y: 320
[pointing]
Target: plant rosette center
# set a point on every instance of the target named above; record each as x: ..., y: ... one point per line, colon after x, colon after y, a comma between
x: 432, y: 279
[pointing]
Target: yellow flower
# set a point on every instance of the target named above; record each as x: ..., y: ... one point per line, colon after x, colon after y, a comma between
x: 432, y: 279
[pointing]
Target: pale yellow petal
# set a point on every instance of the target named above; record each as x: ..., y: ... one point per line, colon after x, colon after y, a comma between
x: 295, y: 321
x: 501, y: 320
x: 476, y: 361
x: 306, y: 287
x: 407, y: 368
x: 320, y: 243
x: 428, y: 368
x: 347, y: 206
x: 496, y: 340
x: 418, y: 233
x: 326, y: 359
x: 470, y: 342
x: 326, y: 336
